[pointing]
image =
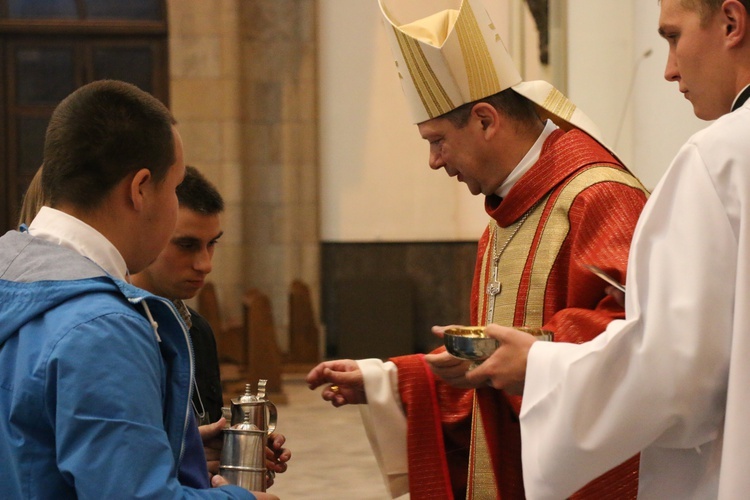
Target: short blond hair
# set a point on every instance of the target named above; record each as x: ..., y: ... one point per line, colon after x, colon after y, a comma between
x: 33, y: 200
x: 707, y: 8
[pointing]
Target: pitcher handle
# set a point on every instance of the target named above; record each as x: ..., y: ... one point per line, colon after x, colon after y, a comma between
x: 271, y: 416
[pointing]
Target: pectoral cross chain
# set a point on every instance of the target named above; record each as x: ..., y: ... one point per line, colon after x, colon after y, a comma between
x: 495, y: 287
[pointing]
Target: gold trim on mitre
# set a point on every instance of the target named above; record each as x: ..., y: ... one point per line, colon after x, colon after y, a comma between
x: 435, y: 100
x: 450, y: 57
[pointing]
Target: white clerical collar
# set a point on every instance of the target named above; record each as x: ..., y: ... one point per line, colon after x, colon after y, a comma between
x: 532, y: 156
x: 65, y: 230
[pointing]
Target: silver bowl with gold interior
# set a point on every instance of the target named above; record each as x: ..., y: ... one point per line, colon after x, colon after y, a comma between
x: 469, y: 342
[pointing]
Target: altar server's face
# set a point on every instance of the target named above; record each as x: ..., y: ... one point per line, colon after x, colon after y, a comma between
x: 699, y: 56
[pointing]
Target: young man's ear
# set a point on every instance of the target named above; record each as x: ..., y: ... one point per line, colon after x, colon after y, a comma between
x: 734, y: 18
x: 137, y: 187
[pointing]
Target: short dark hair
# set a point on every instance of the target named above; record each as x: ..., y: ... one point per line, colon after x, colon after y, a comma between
x: 98, y: 135
x: 508, y: 101
x: 707, y: 8
x: 198, y: 194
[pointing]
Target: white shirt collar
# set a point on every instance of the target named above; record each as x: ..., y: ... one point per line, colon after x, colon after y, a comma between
x: 65, y: 230
x: 532, y: 156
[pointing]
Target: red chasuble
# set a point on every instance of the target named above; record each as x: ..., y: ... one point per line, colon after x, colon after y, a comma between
x: 577, y: 205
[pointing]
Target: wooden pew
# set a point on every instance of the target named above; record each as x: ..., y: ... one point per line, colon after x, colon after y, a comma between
x: 248, y: 352
x: 230, y: 341
x: 262, y: 351
x: 304, y: 334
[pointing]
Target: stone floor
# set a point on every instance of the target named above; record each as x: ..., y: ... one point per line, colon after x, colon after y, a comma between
x: 331, y: 457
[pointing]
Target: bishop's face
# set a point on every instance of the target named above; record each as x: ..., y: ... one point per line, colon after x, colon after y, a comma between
x: 697, y: 58
x: 462, y: 152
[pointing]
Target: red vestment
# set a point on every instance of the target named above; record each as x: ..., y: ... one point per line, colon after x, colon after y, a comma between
x: 577, y: 205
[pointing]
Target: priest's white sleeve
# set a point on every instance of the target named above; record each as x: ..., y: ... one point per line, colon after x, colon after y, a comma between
x: 655, y: 381
x: 385, y: 423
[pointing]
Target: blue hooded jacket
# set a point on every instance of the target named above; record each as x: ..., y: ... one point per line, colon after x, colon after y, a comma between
x: 95, y: 379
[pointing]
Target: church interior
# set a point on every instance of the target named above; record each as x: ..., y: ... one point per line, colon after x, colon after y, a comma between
x: 339, y: 240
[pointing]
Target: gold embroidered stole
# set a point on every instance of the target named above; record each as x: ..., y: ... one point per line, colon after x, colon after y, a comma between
x: 540, y: 240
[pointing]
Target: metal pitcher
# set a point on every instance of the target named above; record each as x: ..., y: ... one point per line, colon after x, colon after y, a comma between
x: 259, y: 411
x: 243, y: 456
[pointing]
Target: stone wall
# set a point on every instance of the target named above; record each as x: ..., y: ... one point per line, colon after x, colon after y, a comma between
x: 243, y: 91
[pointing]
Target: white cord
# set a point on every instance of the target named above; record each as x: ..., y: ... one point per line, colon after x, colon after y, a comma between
x: 154, y: 324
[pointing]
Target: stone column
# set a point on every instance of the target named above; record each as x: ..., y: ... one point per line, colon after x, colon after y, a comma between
x: 243, y: 88
x: 279, y: 149
x: 205, y: 95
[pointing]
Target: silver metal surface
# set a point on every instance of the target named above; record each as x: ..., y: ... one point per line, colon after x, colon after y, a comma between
x: 469, y: 343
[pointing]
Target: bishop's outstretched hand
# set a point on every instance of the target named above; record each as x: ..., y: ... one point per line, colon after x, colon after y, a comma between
x: 345, y: 383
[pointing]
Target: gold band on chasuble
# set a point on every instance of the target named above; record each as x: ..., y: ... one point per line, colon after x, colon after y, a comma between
x: 483, y: 80
x: 555, y: 231
x: 434, y: 97
x: 511, y: 265
x: 482, y: 483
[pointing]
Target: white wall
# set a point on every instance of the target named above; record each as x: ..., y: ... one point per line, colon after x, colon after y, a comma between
x: 621, y: 88
x: 664, y: 119
x: 599, y: 66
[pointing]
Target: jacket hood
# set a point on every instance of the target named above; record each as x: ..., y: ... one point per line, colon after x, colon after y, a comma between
x: 36, y: 276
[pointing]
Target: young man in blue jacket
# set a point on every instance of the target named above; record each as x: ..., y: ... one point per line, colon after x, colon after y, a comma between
x: 95, y: 374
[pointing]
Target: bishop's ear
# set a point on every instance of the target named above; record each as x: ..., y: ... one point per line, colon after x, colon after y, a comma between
x: 486, y: 115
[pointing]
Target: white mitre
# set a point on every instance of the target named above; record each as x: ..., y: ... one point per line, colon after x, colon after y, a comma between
x: 455, y: 56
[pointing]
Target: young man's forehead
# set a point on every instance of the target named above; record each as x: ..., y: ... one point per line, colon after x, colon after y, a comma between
x: 672, y: 13
x: 699, y: 8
